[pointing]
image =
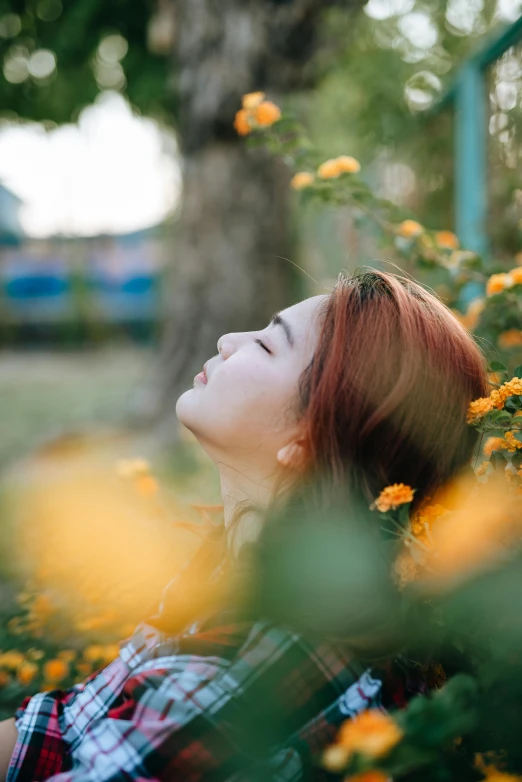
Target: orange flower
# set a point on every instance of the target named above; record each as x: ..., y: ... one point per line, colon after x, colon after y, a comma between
x: 493, y: 444
x: 27, y: 672
x: 252, y: 100
x: 4, y: 678
x: 512, y: 444
x: 409, y: 228
x: 301, y: 180
x: 374, y: 775
x: 393, y: 496
x: 447, y: 239
x: 497, y: 283
x: 516, y: 275
x: 267, y: 113
x: 242, y: 123
x: 371, y: 733
x: 510, y: 338
x: 479, y: 408
x: 55, y: 670
x: 329, y: 169
x: 348, y: 165
x: 494, y: 775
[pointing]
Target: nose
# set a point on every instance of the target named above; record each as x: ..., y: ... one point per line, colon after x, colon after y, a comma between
x: 228, y: 343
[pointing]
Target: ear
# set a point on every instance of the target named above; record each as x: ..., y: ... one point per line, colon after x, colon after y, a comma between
x: 292, y: 455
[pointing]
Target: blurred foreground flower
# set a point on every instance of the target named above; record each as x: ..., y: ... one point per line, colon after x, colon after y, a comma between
x: 372, y: 733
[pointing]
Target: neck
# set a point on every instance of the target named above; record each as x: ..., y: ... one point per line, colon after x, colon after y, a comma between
x: 239, y: 487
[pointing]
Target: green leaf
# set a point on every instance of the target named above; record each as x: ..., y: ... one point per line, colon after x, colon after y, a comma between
x: 496, y: 366
x: 517, y: 372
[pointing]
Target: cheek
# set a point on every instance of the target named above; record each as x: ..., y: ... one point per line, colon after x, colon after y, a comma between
x: 245, y: 401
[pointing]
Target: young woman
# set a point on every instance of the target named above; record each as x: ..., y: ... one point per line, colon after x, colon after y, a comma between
x: 344, y: 392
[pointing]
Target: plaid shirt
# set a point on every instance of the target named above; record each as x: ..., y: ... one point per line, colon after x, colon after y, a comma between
x: 235, y: 700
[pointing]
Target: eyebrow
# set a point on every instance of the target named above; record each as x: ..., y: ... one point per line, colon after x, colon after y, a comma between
x: 277, y: 320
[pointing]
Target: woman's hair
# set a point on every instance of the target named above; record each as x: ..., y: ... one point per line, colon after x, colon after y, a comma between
x: 383, y: 401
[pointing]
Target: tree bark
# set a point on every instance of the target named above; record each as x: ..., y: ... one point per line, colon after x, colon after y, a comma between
x: 228, y: 272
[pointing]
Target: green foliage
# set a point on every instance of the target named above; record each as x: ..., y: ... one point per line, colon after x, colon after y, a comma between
x: 73, y: 31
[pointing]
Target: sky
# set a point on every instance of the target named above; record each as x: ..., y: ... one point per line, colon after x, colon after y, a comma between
x: 112, y: 172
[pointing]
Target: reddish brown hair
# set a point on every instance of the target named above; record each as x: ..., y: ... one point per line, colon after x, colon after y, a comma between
x: 385, y: 397
x: 383, y: 401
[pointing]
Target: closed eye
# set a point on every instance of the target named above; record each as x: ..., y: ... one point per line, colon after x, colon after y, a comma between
x: 263, y: 346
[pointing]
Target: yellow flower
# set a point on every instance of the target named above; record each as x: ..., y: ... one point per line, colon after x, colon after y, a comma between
x: 27, y: 672
x: 11, y: 659
x: 497, y: 283
x: 512, y: 444
x: 266, y: 113
x: 242, y: 123
x: 447, y: 239
x: 510, y: 338
x: 393, y: 496
x: 111, y: 652
x: 516, y: 275
x: 479, y: 408
x: 348, y: 165
x: 301, y: 180
x: 252, y: 100
x: 409, y: 228
x: 55, y: 670
x: 94, y: 652
x: 328, y: 170
x: 473, y: 536
x: 493, y: 444
x: 371, y: 733
x: 335, y: 758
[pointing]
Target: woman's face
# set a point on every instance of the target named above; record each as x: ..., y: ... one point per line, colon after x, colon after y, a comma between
x: 247, y: 408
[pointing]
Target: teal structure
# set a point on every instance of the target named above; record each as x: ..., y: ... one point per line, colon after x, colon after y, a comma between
x: 468, y: 94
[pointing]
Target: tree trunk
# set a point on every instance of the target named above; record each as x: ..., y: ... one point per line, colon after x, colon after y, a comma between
x: 228, y: 271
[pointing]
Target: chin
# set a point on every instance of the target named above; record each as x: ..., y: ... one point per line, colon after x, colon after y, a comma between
x: 182, y: 411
